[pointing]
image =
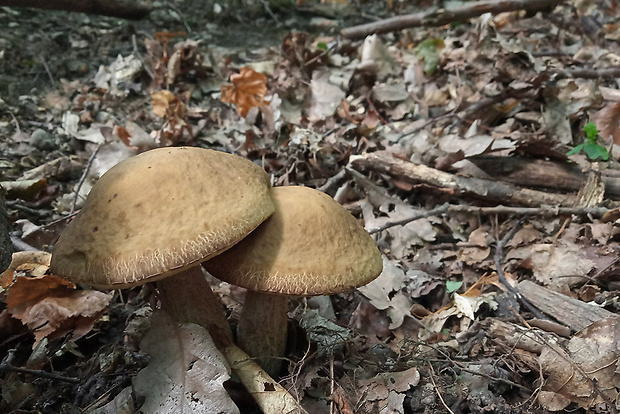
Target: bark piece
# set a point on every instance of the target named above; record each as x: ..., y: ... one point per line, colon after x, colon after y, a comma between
x: 572, y: 312
x: 542, y: 174
x: 479, y: 188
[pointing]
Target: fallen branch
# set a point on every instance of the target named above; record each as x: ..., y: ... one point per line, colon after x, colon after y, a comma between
x: 571, y: 312
x: 547, y: 211
x: 7, y: 366
x: 455, y: 185
x: 440, y: 17
x: 114, y: 8
x: 588, y: 73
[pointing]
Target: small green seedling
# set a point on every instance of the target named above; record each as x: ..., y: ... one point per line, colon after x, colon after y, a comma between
x: 453, y: 286
x: 321, y: 46
x: 590, y: 147
x: 428, y: 50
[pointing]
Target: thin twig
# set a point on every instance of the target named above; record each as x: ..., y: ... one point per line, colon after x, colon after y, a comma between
x: 136, y: 51
x: 48, y: 71
x: 432, y: 377
x: 439, y: 210
x: 270, y: 12
x: 178, y: 11
x: 83, y: 178
x: 497, y: 258
x: 545, y: 211
x: 464, y: 368
x: 7, y: 366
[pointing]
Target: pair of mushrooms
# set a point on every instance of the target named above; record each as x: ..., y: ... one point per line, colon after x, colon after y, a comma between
x: 157, y: 216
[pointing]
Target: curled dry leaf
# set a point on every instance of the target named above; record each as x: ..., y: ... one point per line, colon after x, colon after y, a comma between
x: 387, y: 390
x: 593, y: 352
x: 166, y: 105
x: 247, y: 90
x: 52, y: 305
x: 386, y: 293
x: 186, y: 372
x: 36, y: 263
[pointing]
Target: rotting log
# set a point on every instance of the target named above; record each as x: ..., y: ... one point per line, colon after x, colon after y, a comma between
x: 542, y: 174
x: 113, y: 8
x: 458, y: 186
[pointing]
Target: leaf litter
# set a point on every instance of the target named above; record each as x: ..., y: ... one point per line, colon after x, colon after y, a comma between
x: 438, y: 328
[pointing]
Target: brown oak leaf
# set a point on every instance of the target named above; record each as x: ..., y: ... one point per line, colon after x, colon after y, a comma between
x: 247, y: 90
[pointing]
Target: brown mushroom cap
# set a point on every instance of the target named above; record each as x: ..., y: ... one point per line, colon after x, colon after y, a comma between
x: 160, y: 212
x: 310, y: 246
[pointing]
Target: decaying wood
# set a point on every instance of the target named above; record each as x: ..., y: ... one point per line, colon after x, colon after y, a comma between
x: 541, y: 174
x: 439, y: 17
x: 61, y: 168
x: 479, y: 188
x: 573, y: 313
x: 113, y: 8
x: 517, y: 336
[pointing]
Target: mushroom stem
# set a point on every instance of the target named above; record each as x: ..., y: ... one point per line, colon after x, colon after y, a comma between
x: 262, y: 329
x: 189, y: 298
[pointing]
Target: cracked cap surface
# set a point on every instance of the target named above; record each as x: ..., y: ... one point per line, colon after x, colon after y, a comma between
x: 157, y: 213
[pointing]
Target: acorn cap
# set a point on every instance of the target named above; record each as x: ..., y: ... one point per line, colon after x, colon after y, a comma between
x: 310, y: 246
x: 157, y: 213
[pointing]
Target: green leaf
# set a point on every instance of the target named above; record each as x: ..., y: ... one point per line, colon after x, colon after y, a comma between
x: 575, y: 150
x: 453, y: 286
x: 591, y: 131
x: 322, y: 46
x: 594, y: 151
x: 429, y: 51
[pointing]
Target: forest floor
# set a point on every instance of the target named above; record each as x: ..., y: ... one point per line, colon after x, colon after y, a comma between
x: 456, y: 143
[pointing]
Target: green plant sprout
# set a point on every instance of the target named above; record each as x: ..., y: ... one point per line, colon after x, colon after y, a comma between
x: 590, y: 147
x: 428, y: 50
x: 452, y: 286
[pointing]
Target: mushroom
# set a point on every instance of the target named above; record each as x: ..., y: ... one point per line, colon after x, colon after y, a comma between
x: 309, y: 246
x: 156, y: 217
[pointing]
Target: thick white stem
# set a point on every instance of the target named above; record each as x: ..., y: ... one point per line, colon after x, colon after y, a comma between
x: 189, y: 298
x: 262, y: 329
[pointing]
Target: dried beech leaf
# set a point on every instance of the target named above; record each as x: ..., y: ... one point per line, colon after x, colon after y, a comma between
x: 247, y: 90
x: 54, y: 306
x: 386, y: 293
x: 607, y: 122
x: 593, y: 351
x: 162, y: 102
x: 36, y: 263
x: 186, y: 372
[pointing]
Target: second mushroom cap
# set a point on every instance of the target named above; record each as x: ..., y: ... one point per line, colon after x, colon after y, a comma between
x: 309, y: 246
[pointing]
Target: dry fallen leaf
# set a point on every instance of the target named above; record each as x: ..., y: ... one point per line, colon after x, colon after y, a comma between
x: 247, y: 90
x: 54, y: 307
x: 36, y: 263
x: 387, y: 390
x: 170, y: 107
x: 593, y: 351
x: 186, y: 372
x: 559, y: 265
x: 607, y: 122
x: 386, y: 293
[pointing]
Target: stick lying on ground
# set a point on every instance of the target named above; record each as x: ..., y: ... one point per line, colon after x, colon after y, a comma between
x: 114, y: 8
x: 439, y: 17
